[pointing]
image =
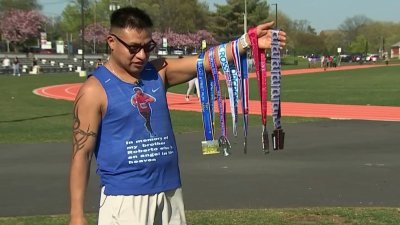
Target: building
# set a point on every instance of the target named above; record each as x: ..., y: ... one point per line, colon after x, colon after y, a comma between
x: 394, y: 50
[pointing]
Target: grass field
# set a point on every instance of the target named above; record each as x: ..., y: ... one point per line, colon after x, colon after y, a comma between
x: 26, y: 118
x: 303, y: 216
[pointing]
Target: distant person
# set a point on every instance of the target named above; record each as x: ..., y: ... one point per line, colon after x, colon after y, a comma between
x: 322, y: 61
x: 35, y: 66
x: 193, y: 84
x: 16, y: 67
x: 386, y: 59
x: 326, y: 62
x: 334, y: 61
x: 6, y: 64
x: 99, y: 62
x: 34, y: 62
x: 330, y: 61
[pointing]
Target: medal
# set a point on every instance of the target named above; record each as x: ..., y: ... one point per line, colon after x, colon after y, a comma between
x: 209, y: 145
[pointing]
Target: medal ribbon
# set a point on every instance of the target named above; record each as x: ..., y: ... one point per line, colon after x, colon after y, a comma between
x: 231, y: 82
x: 276, y: 80
x: 214, y: 72
x: 260, y: 63
x: 224, y: 143
x: 278, y: 134
x: 244, y: 84
x: 235, y: 74
x: 204, y: 99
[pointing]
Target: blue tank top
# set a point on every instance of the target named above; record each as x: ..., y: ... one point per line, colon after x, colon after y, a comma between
x: 136, y: 151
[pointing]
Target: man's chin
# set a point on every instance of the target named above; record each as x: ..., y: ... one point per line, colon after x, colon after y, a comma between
x: 136, y: 69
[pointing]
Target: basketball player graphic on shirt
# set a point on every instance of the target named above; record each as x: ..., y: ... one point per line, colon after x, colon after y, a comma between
x: 142, y: 101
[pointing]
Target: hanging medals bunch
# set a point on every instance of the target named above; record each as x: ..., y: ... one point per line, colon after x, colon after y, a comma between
x: 236, y: 77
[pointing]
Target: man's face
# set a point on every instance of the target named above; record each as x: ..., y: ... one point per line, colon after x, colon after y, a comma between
x: 131, y: 48
x: 139, y: 92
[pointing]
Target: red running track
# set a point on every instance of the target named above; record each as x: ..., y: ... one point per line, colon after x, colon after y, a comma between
x: 332, y: 111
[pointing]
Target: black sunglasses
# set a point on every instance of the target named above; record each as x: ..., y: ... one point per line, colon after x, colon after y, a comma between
x: 134, y: 49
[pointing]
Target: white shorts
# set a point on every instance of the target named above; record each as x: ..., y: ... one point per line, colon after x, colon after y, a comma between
x: 165, y: 208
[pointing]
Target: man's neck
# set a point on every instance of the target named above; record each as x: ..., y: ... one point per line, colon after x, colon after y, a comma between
x: 122, y: 74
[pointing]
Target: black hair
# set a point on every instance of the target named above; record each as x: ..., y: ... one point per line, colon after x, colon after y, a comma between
x: 135, y: 89
x: 130, y: 17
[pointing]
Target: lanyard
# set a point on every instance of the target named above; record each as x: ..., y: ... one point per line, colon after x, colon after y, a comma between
x: 231, y: 79
x: 204, y: 99
x: 240, y: 62
x: 244, y: 84
x: 278, y: 134
x: 235, y: 73
x: 209, y: 146
x: 260, y: 63
x: 223, y: 141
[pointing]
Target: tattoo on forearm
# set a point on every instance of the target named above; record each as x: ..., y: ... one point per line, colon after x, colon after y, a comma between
x: 80, y: 136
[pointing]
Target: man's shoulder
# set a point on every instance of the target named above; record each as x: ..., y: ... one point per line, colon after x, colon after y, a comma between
x: 159, y: 64
x: 91, y: 84
x: 92, y: 91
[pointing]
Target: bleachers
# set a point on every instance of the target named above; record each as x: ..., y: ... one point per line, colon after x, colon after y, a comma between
x: 50, y: 64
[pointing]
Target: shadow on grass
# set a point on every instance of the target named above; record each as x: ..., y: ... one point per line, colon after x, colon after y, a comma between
x: 34, y: 118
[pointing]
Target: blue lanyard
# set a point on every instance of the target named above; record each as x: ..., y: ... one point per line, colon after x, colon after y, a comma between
x: 235, y: 74
x: 204, y: 99
x: 217, y: 89
x: 244, y: 86
x: 223, y: 141
x: 235, y: 93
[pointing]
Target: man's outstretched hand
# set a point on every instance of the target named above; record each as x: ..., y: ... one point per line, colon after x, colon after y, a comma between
x: 264, y: 34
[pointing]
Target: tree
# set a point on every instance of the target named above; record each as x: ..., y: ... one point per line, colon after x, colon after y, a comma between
x: 183, y: 16
x: 7, y: 5
x: 95, y: 33
x: 227, y: 22
x: 351, y: 26
x: 71, y: 16
x: 308, y: 43
x: 359, y: 45
x: 302, y: 38
x: 301, y: 26
x: 334, y: 39
x: 180, y: 16
x: 284, y: 22
x: 18, y: 25
x: 191, y: 40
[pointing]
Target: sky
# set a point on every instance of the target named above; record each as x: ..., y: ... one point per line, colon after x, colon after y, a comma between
x: 321, y: 14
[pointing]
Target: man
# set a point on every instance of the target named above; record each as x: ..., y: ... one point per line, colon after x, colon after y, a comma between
x: 139, y: 174
x: 6, y: 64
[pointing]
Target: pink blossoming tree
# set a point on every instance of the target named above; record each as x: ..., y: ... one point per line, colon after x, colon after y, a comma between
x: 17, y: 26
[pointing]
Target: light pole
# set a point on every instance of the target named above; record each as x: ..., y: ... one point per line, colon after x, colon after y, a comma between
x: 83, y: 35
x: 245, y: 17
x: 94, y: 18
x: 276, y: 14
